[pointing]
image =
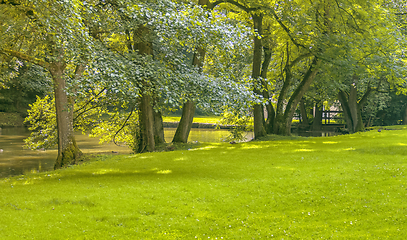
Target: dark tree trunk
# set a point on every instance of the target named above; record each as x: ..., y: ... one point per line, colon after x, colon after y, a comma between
x: 185, y: 124
x: 258, y: 111
x: 343, y: 99
x: 68, y: 151
x: 405, y: 116
x: 304, y: 116
x: 146, y: 141
x: 352, y: 108
x: 283, y: 124
x: 266, y: 95
x: 279, y: 119
x: 317, y: 123
x: 158, y: 128
x: 146, y: 134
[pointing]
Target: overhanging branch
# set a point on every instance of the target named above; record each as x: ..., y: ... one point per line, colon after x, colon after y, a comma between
x: 241, y: 6
x: 25, y: 57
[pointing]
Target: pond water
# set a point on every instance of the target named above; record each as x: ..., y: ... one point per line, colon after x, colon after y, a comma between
x: 15, y: 160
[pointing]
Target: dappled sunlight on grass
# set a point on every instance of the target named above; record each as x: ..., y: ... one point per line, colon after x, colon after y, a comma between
x: 304, y: 150
x: 209, y: 147
x: 181, y: 159
x: 330, y: 142
x: 254, y: 146
x: 164, y: 172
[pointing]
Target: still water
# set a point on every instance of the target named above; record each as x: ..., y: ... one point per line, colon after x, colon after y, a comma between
x: 15, y: 160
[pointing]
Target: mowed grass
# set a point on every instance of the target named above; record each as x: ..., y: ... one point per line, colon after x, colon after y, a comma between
x: 343, y: 187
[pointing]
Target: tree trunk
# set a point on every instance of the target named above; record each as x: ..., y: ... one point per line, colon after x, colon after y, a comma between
x: 317, y: 123
x: 185, y: 124
x: 258, y: 113
x: 343, y: 99
x: 146, y: 141
x: 188, y: 109
x: 353, y: 106
x: 68, y: 151
x: 285, y: 124
x: 266, y: 95
x: 158, y: 128
x: 304, y: 115
x: 405, y: 116
x: 146, y: 134
x: 279, y: 127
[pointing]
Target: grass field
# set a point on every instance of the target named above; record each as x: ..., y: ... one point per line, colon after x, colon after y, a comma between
x: 343, y: 187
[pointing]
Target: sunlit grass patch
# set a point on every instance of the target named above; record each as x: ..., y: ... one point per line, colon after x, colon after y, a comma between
x: 197, y: 119
x: 342, y: 187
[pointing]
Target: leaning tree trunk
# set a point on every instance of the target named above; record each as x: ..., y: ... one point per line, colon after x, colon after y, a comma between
x: 258, y: 112
x: 297, y: 96
x: 185, y: 124
x: 188, y: 108
x: 68, y: 151
x: 304, y: 116
x: 266, y: 95
x: 278, y: 123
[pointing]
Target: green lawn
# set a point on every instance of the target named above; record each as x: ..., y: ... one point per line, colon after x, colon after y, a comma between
x: 343, y: 187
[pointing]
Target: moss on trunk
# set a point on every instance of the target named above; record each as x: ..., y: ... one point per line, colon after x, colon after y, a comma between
x: 69, y: 156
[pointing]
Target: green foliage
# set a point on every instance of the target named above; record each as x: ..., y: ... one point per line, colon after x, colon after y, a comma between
x: 42, y: 122
x: 100, y: 115
x: 342, y: 187
x: 24, y: 84
x: 240, y: 124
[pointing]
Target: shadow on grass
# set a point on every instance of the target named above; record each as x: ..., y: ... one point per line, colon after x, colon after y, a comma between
x: 390, y: 150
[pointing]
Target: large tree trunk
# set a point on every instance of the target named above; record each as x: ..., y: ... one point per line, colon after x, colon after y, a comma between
x: 283, y: 124
x: 258, y: 112
x: 146, y: 134
x: 146, y: 141
x: 352, y: 108
x: 185, y: 124
x: 68, y: 151
x: 343, y: 99
x: 279, y: 127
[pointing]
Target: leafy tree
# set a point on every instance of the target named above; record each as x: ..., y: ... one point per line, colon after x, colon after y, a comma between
x: 32, y: 31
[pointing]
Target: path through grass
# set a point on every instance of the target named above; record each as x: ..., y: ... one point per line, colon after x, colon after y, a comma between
x: 343, y: 187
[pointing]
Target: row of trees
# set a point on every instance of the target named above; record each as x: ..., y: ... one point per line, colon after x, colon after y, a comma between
x: 116, y: 65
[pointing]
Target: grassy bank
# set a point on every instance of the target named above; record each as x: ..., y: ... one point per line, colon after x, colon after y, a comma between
x: 343, y: 187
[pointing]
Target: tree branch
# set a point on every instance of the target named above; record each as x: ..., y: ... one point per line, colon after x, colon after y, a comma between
x: 25, y: 57
x: 285, y: 28
x: 241, y: 6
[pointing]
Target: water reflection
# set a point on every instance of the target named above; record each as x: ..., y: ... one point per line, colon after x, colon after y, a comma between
x: 15, y: 160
